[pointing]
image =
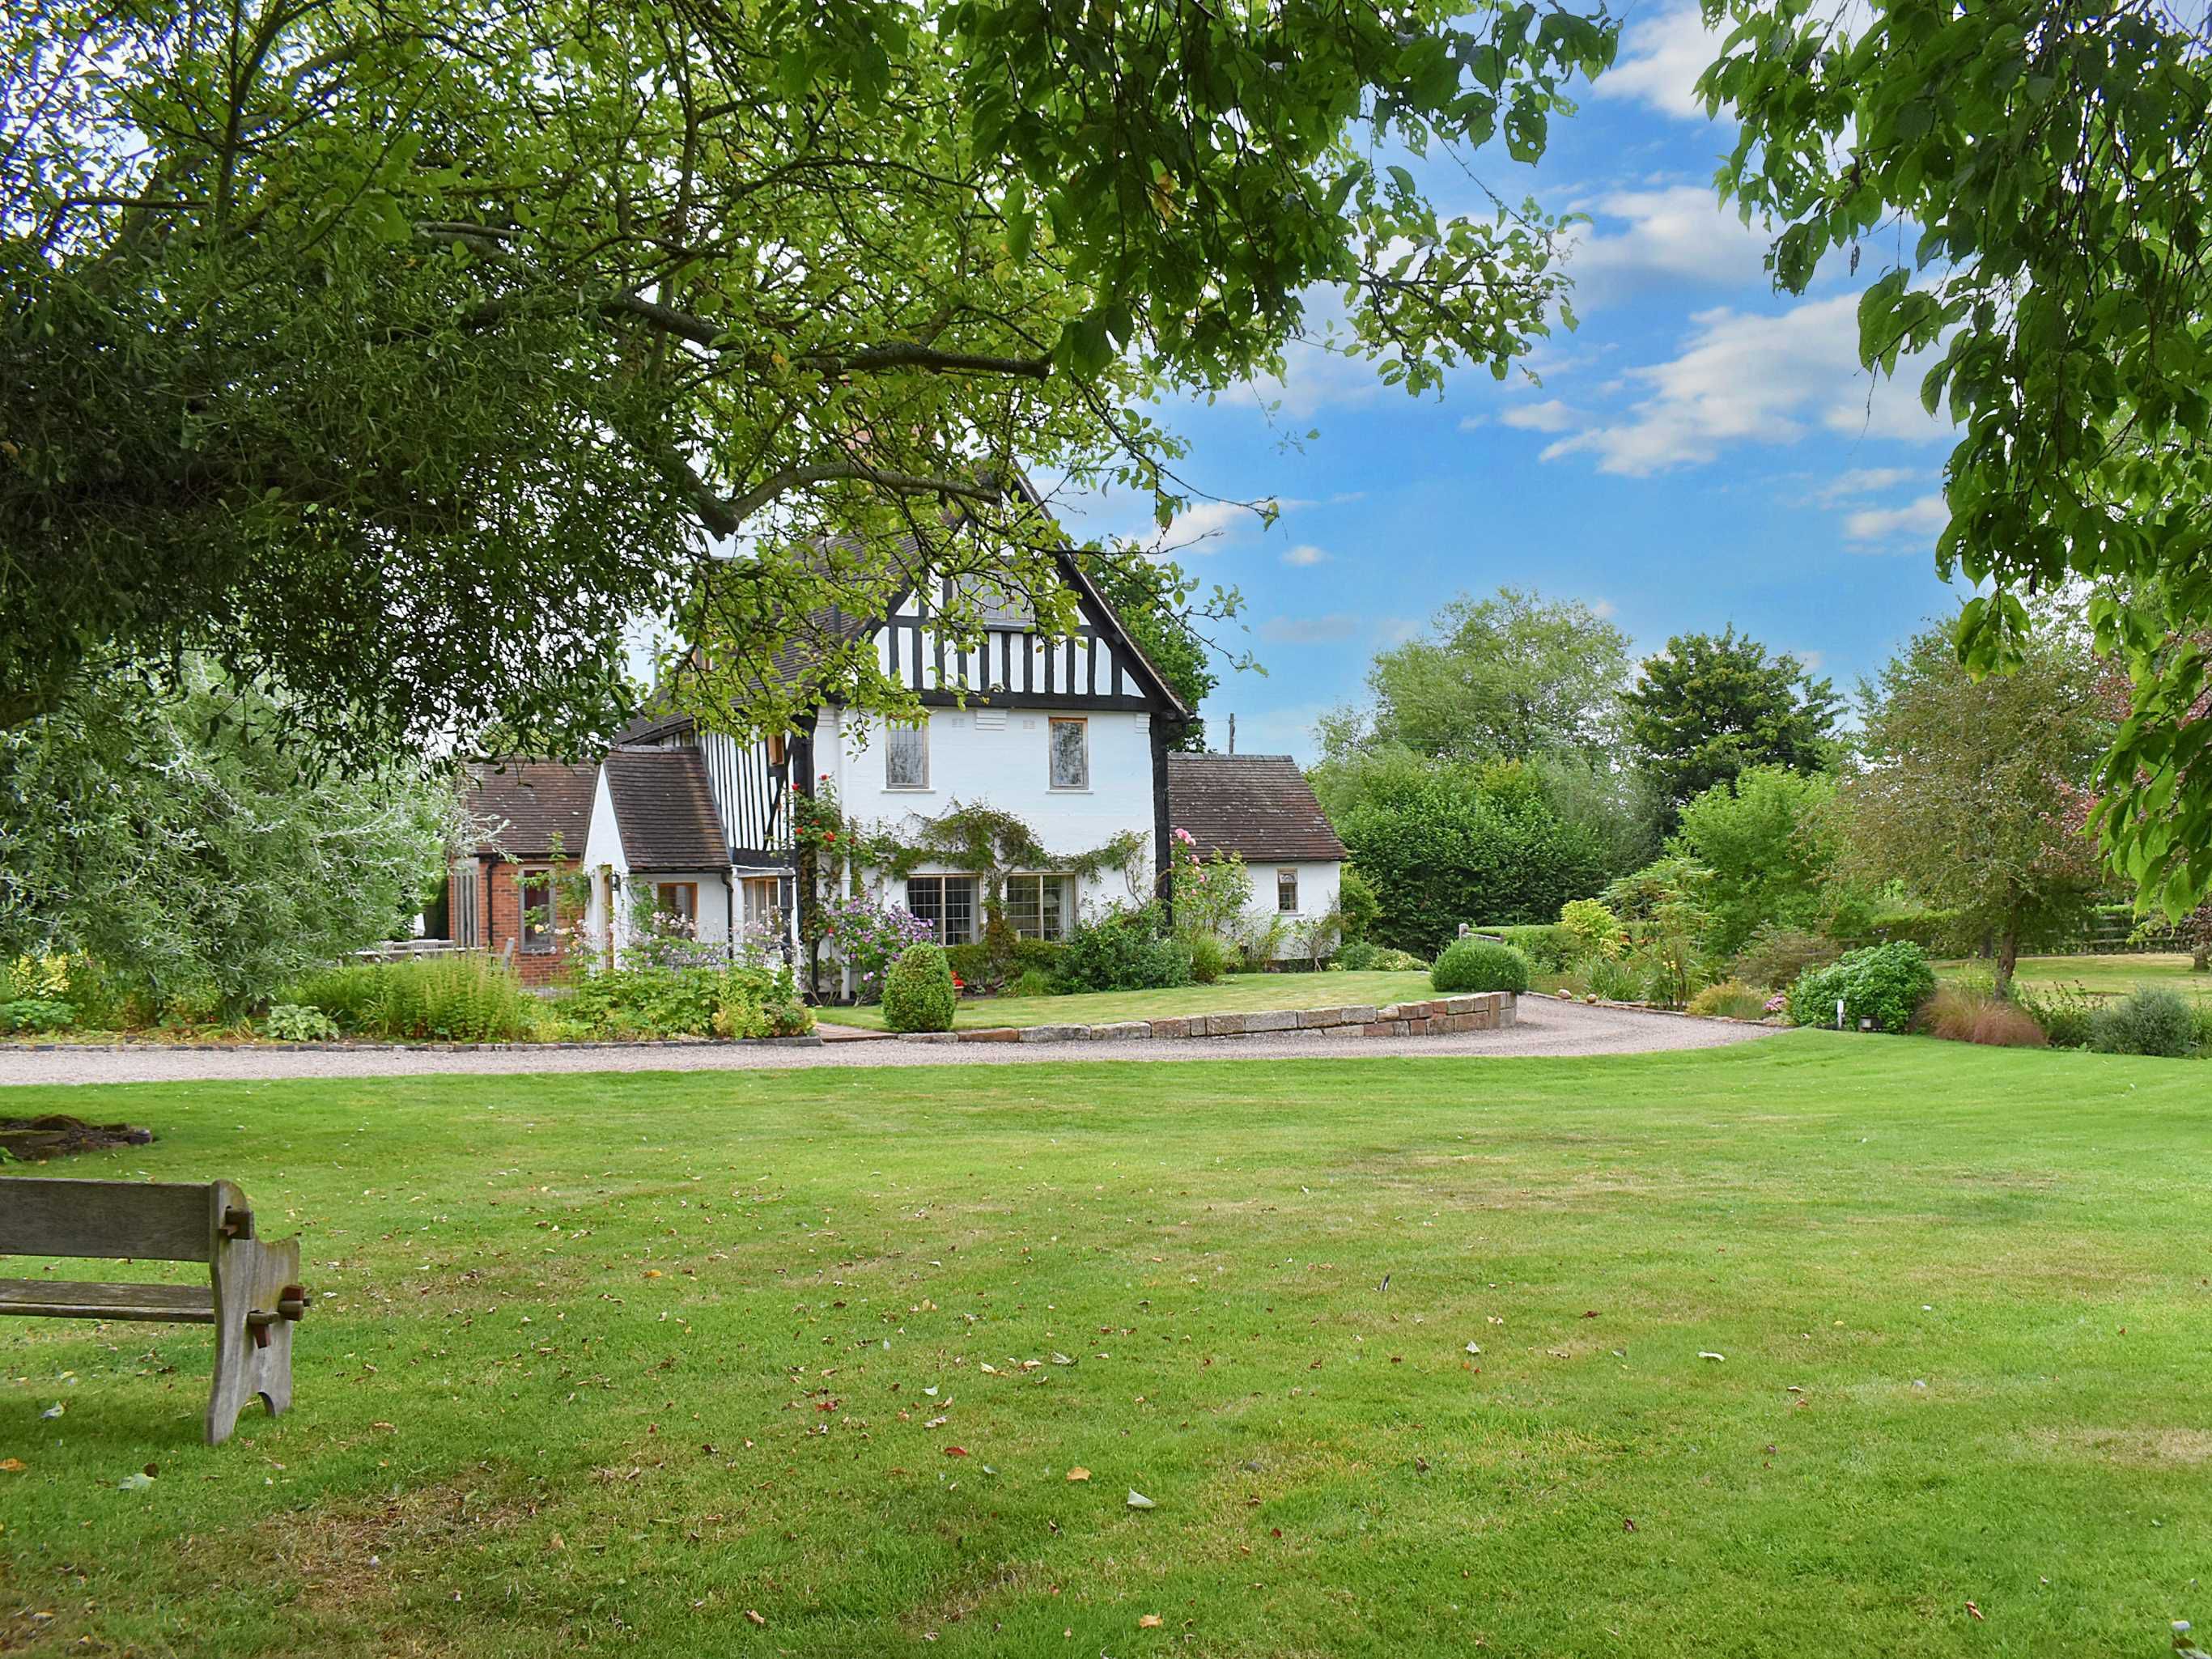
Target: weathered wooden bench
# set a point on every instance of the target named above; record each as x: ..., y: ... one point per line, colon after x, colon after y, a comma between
x: 252, y: 1296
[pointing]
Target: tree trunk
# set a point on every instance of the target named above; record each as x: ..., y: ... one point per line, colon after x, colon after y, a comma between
x: 2007, y: 955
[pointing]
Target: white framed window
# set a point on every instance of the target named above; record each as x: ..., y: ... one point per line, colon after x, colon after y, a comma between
x: 1071, y: 754
x: 947, y: 903
x: 906, y: 756
x: 1286, y: 891
x: 764, y: 903
x: 1040, y: 906
x: 536, y: 887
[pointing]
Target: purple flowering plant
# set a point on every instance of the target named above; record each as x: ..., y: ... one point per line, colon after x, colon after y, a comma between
x: 869, y: 935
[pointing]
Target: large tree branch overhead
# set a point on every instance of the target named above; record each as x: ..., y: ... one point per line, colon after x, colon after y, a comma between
x: 465, y: 364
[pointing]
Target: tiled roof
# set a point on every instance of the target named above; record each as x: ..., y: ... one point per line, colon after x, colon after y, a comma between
x: 1258, y: 806
x: 519, y: 805
x: 665, y: 810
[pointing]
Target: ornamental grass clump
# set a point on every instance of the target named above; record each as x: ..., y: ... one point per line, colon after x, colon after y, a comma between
x: 918, y: 993
x: 1971, y: 1014
x: 1475, y: 964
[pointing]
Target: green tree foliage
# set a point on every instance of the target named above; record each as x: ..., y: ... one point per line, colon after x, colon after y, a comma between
x: 1161, y: 607
x: 1446, y: 842
x: 2055, y: 164
x: 1710, y: 705
x: 1768, y: 843
x: 1509, y: 678
x: 1970, y: 787
x: 175, y: 839
x: 402, y: 354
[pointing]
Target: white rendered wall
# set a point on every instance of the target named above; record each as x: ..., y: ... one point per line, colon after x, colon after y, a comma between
x: 1319, y: 887
x: 1006, y: 765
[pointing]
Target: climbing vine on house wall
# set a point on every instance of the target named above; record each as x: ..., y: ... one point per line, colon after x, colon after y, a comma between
x: 982, y: 839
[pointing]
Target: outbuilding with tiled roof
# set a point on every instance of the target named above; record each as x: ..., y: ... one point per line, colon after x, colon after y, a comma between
x: 1260, y: 808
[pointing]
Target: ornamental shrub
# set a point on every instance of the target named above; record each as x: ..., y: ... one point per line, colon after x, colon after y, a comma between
x: 2150, y: 1020
x: 1358, y: 956
x: 444, y: 999
x: 292, y: 1022
x: 37, y: 1014
x: 2067, y: 1014
x: 870, y: 936
x: 1776, y: 955
x: 1593, y: 931
x: 1122, y: 948
x: 1547, y: 948
x: 1477, y: 964
x: 918, y: 994
x: 1730, y: 999
x: 1883, y: 983
x: 1208, y: 959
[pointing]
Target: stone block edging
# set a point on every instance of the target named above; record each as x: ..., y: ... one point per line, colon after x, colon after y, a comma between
x: 1486, y: 1011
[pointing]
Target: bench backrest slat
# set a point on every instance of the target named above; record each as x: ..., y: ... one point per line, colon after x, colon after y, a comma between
x: 153, y: 1222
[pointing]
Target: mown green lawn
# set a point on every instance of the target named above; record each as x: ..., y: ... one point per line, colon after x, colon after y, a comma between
x: 1237, y: 993
x: 2104, y: 975
x: 616, y: 1363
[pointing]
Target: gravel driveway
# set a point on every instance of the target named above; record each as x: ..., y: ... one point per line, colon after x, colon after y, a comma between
x: 1545, y: 1026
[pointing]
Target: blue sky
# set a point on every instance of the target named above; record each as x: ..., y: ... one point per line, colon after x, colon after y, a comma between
x: 1700, y: 451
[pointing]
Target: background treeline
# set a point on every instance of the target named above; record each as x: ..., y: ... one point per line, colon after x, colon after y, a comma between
x: 1518, y: 757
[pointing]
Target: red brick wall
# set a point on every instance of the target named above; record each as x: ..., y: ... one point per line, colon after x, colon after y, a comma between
x: 499, y: 903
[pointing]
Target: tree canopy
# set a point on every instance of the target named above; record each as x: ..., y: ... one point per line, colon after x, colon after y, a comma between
x: 2036, y: 179
x: 1969, y: 784
x: 176, y: 838
x: 402, y: 351
x: 1710, y: 705
x: 1508, y: 677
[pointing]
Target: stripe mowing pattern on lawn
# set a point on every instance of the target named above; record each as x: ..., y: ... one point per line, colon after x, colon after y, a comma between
x: 1818, y: 1344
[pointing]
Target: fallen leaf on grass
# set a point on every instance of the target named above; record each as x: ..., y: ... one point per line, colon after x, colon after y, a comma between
x: 1138, y: 1500
x: 1079, y: 1473
x: 12, y: 1465
x: 956, y: 1451
x: 1976, y: 1611
x: 1703, y: 1353
x: 136, y: 1480
x: 754, y: 1617
x: 1150, y: 1621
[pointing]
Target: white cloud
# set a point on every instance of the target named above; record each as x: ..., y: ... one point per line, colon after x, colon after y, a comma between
x: 1206, y: 526
x: 1305, y: 553
x: 1310, y: 630
x: 1604, y: 610
x: 1675, y: 235
x: 1862, y: 481
x: 1661, y: 55
x: 1748, y: 379
x: 1917, y: 522
x: 1549, y: 415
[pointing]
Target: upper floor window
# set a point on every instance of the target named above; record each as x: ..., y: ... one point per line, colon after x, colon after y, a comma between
x: 906, y: 757
x: 538, y: 917
x: 1071, y: 754
x: 1286, y: 891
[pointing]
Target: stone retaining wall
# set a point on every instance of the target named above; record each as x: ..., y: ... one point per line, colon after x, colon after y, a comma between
x: 1442, y: 1015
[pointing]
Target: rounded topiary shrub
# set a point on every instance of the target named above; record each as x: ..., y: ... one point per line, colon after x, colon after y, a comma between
x: 1477, y: 964
x: 918, y: 994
